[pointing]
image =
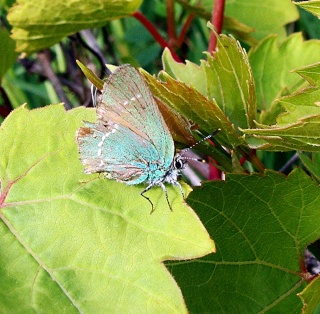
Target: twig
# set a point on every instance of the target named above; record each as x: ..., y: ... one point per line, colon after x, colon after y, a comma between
x: 289, y: 163
x: 89, y: 42
x: 49, y: 73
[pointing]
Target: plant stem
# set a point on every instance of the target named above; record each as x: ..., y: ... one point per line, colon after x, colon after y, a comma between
x: 217, y: 22
x: 6, y: 108
x: 153, y: 31
x: 184, y: 30
x: 171, y: 23
x: 252, y: 157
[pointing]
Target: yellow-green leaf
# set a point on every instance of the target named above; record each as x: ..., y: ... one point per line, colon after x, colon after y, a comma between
x: 40, y: 25
x: 80, y: 243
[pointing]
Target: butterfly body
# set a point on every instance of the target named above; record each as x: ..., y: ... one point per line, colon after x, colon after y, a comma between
x: 130, y: 142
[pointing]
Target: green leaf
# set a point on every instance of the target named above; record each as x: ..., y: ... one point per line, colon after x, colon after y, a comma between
x: 272, y: 63
x: 218, y: 94
x: 252, y: 14
x: 231, y: 25
x: 225, y: 77
x: 313, y: 6
x: 310, y: 73
x: 7, y: 54
x: 261, y: 226
x: 297, y: 119
x: 81, y: 243
x: 94, y: 79
x: 194, y: 106
x: 41, y: 26
x: 312, y: 164
x: 311, y: 298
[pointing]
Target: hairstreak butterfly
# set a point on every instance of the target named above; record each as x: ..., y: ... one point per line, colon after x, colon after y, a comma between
x: 130, y: 142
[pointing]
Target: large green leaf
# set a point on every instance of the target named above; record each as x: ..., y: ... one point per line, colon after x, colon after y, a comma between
x: 39, y: 26
x: 261, y: 226
x: 272, y: 63
x: 72, y: 242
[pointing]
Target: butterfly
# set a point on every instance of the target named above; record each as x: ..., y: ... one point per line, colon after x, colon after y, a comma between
x: 130, y: 142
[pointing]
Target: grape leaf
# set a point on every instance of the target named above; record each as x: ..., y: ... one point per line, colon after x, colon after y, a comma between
x: 261, y: 226
x: 41, y: 26
x: 81, y: 243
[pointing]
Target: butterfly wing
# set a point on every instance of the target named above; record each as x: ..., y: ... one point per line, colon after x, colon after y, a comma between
x: 130, y: 142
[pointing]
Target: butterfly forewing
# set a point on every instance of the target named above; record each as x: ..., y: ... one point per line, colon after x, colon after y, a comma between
x: 127, y: 100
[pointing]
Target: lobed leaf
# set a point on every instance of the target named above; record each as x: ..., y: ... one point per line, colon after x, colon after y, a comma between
x: 82, y: 243
x: 272, y: 63
x: 297, y: 119
x: 261, y: 226
x: 225, y: 77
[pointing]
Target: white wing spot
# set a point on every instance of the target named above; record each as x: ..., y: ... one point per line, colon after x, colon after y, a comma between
x: 105, y: 136
x: 99, y: 152
x: 138, y: 96
x: 133, y: 99
x: 103, y: 139
x: 126, y: 103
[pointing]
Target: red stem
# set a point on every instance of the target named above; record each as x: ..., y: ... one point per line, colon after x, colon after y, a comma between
x: 6, y: 109
x: 184, y: 30
x: 153, y: 31
x: 214, y: 173
x: 171, y: 23
x: 217, y: 22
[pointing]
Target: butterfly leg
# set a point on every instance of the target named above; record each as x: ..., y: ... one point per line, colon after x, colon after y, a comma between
x: 176, y: 183
x: 146, y: 197
x: 163, y: 187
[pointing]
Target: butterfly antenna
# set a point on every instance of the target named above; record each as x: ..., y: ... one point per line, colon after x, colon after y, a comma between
x: 202, y: 140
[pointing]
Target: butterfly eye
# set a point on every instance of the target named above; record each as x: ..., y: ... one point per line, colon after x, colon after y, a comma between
x: 179, y: 164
